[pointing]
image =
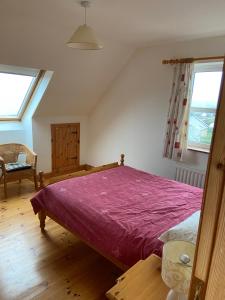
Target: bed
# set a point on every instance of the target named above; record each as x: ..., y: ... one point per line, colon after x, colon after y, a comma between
x: 117, y: 210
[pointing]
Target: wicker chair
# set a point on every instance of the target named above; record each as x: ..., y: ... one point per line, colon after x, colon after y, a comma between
x: 11, y: 169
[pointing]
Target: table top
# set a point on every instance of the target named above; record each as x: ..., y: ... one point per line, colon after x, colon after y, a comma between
x: 141, y: 282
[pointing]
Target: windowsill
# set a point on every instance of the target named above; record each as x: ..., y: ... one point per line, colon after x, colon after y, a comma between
x: 206, y: 151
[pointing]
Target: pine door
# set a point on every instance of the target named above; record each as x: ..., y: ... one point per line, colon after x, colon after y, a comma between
x: 208, y: 282
x: 65, y: 147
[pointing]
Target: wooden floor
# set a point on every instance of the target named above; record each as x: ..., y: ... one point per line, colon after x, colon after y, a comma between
x: 54, y: 265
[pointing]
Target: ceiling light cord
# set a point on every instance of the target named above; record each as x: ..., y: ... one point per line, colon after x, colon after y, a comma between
x: 85, y: 15
x: 85, y: 4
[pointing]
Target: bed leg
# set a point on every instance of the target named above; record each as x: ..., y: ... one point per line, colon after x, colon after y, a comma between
x: 42, y: 217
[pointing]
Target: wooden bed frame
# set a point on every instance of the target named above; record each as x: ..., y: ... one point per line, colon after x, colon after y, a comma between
x: 43, y: 213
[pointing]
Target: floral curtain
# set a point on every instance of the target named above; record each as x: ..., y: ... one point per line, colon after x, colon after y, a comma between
x: 176, y: 134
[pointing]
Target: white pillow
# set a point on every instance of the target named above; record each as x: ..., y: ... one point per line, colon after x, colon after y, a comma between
x: 184, y: 231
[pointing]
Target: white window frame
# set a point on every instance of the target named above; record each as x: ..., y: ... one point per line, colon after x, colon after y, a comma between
x: 21, y: 71
x: 215, y: 66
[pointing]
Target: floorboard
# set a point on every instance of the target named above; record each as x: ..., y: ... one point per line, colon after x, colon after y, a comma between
x: 52, y: 266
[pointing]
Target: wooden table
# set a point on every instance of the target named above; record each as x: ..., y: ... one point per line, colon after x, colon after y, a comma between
x: 141, y: 282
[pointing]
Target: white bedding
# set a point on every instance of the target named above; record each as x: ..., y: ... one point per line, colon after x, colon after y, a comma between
x: 184, y: 231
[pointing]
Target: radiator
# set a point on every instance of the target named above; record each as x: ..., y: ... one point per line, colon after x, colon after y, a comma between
x: 190, y: 176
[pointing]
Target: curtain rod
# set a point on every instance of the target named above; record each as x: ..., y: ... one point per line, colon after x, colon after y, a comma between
x: 189, y: 60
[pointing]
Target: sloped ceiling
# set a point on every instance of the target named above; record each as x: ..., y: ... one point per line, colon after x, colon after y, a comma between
x: 34, y: 32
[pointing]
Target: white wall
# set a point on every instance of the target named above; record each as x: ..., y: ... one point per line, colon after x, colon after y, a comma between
x: 32, y: 106
x: 42, y: 138
x: 12, y: 132
x: 131, y: 117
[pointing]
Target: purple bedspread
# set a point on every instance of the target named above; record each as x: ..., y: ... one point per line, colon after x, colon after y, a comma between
x: 120, y: 211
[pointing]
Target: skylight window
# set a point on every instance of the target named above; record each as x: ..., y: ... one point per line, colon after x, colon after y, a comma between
x: 16, y: 88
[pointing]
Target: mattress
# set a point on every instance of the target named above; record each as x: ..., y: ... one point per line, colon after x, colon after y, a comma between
x: 120, y: 211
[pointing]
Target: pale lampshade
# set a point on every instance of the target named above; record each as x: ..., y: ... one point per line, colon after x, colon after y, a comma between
x: 84, y: 38
x: 177, y: 265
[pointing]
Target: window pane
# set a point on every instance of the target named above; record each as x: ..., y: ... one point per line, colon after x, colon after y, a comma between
x: 206, y: 89
x: 201, y: 127
x: 13, y: 89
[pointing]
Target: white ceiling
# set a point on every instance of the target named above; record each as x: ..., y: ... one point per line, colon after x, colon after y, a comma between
x: 143, y: 22
x: 33, y: 33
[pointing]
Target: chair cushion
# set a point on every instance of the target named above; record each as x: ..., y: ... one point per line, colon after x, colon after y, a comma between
x: 11, y: 167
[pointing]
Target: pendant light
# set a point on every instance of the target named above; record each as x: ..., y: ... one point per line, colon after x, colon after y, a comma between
x: 84, y: 37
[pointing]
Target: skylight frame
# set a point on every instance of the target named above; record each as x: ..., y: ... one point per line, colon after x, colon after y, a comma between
x: 37, y: 74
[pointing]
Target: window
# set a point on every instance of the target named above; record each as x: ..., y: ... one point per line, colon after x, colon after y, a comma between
x: 205, y: 93
x: 16, y: 88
